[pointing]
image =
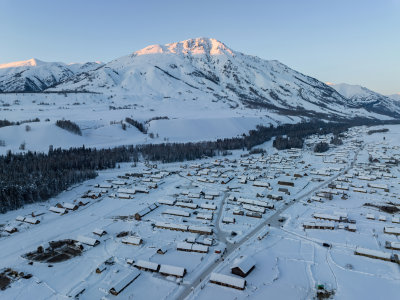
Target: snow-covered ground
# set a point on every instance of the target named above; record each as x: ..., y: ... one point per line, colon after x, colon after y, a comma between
x: 290, y: 262
x: 101, y: 123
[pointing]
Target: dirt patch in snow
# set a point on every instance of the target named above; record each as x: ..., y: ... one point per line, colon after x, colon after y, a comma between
x: 7, y: 276
x: 58, y: 251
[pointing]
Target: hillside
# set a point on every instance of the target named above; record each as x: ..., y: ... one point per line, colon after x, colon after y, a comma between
x: 362, y: 97
x: 34, y: 75
x: 202, y: 68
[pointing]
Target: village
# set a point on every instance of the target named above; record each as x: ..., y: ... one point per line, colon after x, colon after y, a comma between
x: 293, y: 223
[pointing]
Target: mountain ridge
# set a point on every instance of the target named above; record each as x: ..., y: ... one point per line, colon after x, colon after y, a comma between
x: 205, y: 68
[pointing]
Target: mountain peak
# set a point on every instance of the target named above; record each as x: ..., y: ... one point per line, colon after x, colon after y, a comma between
x: 33, y: 62
x: 196, y: 46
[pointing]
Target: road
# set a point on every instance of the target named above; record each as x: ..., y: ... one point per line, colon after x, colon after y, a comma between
x: 273, y: 220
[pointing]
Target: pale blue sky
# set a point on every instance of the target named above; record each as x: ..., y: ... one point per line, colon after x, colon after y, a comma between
x: 352, y: 41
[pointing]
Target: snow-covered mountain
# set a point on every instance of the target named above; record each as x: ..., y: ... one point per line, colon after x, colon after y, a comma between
x: 395, y: 97
x: 34, y: 75
x: 362, y: 97
x: 206, y: 68
x: 202, y: 70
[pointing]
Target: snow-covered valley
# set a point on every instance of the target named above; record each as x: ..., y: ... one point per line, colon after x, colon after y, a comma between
x: 253, y: 223
x: 229, y: 209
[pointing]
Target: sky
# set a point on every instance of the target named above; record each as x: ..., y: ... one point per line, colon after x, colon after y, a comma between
x: 351, y: 41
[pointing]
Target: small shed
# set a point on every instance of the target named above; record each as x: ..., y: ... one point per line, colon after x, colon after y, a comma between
x: 20, y: 218
x: 83, y: 202
x: 370, y: 217
x: 10, y: 229
x: 162, y: 250
x: 382, y: 218
x: 228, y: 220
x: 70, y: 206
x: 132, y: 240
x: 87, y: 240
x: 58, y: 210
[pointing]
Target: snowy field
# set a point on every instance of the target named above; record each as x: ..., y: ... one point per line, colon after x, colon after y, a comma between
x: 190, y: 220
x: 99, y: 116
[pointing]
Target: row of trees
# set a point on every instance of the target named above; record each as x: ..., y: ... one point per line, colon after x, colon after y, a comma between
x: 4, y: 123
x: 140, y: 126
x: 69, y: 126
x: 32, y: 177
x: 378, y: 131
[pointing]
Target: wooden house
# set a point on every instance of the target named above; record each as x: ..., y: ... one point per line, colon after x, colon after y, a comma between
x: 238, y: 212
x: 101, y: 268
x: 140, y: 214
x: 208, y: 217
x: 58, y: 210
x: 167, y: 202
x: 169, y: 270
x: 186, y: 205
x: 124, y: 282
x: 370, y: 217
x: 70, y: 206
x: 319, y: 225
x: 228, y: 281
x: 286, y: 183
x: 200, y: 229
x: 124, y: 196
x: 226, y: 180
x: 10, y: 229
x: 208, y: 206
x: 169, y: 226
x: 83, y: 202
x: 392, y: 245
x: 189, y: 247
x: 31, y: 220
x: 261, y: 184
x: 228, y: 220
x: 351, y: 227
x: 376, y: 254
x: 132, y: 240
x: 243, y: 266
x: 391, y: 230
x: 87, y: 240
x: 253, y: 215
x: 176, y: 212
x: 147, y: 266
x: 396, y: 220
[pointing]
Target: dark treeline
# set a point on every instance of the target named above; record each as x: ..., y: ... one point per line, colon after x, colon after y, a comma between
x: 4, y: 123
x: 321, y: 147
x: 69, y: 126
x: 32, y: 177
x: 378, y: 131
x: 336, y: 140
x: 137, y: 124
x: 282, y: 143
